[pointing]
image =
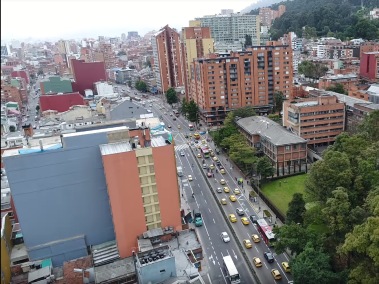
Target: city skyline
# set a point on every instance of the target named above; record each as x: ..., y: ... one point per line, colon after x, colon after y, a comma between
x: 119, y: 20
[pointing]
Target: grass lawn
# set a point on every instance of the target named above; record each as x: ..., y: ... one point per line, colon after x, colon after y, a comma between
x: 280, y: 192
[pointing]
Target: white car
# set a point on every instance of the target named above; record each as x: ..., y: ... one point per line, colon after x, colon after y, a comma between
x: 225, y: 237
x: 182, y: 154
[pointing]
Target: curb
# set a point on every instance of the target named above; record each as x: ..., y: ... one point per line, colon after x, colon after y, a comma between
x: 252, y: 271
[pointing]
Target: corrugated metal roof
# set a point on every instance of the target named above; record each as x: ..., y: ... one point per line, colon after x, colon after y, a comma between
x: 114, y: 148
x: 158, y: 141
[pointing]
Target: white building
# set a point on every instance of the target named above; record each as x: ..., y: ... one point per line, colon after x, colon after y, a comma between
x: 321, y: 50
x: 226, y: 11
x: 103, y: 88
x: 233, y: 27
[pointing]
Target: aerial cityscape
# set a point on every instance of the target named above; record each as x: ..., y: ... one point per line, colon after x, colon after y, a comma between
x: 227, y: 142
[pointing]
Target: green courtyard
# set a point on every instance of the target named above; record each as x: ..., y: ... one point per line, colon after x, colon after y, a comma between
x: 280, y: 191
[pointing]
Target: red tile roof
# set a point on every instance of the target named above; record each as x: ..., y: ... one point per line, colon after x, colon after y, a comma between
x: 60, y: 103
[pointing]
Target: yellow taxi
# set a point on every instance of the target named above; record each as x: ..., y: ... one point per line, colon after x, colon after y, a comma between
x: 255, y: 238
x: 222, y: 171
x: 222, y: 181
x: 232, y: 198
x: 210, y: 151
x: 232, y: 218
x: 237, y: 191
x: 199, y: 155
x: 275, y: 273
x: 190, y: 178
x: 203, y: 141
x: 212, y: 167
x: 245, y: 221
x: 215, y: 159
x: 179, y: 126
x: 212, y: 154
x: 247, y: 244
x: 257, y: 262
x: 223, y: 201
x: 226, y: 189
x: 190, y: 135
x: 286, y: 267
x: 198, y: 147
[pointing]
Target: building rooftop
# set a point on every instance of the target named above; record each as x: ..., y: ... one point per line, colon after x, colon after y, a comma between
x: 154, y: 255
x: 349, y: 101
x: 306, y: 104
x: 340, y: 76
x: 266, y: 128
x: 115, y: 148
x: 115, y: 270
x: 159, y: 141
x: 60, y: 102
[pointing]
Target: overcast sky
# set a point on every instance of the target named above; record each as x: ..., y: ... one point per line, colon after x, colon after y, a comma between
x: 54, y: 19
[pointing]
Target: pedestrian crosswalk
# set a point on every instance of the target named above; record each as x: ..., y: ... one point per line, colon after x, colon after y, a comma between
x: 181, y: 147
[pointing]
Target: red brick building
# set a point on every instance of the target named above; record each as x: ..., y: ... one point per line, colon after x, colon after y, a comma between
x: 369, y: 67
x: 23, y: 74
x: 60, y: 103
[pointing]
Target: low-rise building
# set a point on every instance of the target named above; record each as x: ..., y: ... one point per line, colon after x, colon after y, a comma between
x: 330, y: 81
x: 285, y: 149
x: 359, y: 112
x: 60, y: 102
x: 56, y: 84
x: 318, y: 119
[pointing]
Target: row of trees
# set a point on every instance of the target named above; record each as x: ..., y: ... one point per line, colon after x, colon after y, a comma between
x: 312, y: 70
x: 239, y: 151
x: 336, y: 240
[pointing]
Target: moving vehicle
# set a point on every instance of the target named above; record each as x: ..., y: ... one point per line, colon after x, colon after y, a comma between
x: 230, y: 270
x: 226, y: 189
x: 179, y: 171
x: 276, y: 274
x: 286, y: 267
x: 209, y: 175
x: 232, y: 218
x: 176, y: 113
x: 169, y: 126
x: 240, y: 211
x: 245, y: 221
x: 269, y: 257
x: 247, y: 243
x: 199, y: 155
x: 182, y: 153
x: 219, y: 190
x: 266, y: 232
x: 197, y: 136
x: 179, y: 127
x: 232, y: 198
x: 223, y: 201
x: 255, y: 238
x: 237, y: 191
x: 191, y: 127
x: 257, y: 262
x: 205, y: 166
x: 197, y: 218
x: 222, y: 171
x: 190, y: 178
x: 203, y: 141
x: 254, y: 218
x: 211, y: 166
x: 222, y: 181
x: 204, y: 151
x: 225, y: 237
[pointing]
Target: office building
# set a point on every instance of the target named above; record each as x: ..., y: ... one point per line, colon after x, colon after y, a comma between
x: 233, y: 27
x: 318, y: 119
x: 132, y: 35
x: 369, y: 67
x: 284, y: 149
x: 100, y: 185
x: 196, y: 41
x: 220, y: 84
x: 167, y: 59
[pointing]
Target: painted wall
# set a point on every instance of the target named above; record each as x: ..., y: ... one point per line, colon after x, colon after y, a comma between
x: 86, y: 74
x: 56, y: 85
x: 154, y: 271
x: 167, y: 186
x: 124, y: 189
x: 62, y: 194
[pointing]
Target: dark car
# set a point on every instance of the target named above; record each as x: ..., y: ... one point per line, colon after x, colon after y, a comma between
x: 219, y: 164
x: 240, y: 211
x: 254, y: 218
x: 174, y: 118
x: 269, y: 257
x: 196, y: 141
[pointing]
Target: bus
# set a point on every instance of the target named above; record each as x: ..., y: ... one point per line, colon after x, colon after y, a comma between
x: 205, y: 151
x: 191, y: 127
x: 176, y: 113
x: 231, y: 270
x: 197, y: 136
x: 266, y: 232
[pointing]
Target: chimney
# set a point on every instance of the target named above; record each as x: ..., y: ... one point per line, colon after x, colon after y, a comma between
x: 40, y: 144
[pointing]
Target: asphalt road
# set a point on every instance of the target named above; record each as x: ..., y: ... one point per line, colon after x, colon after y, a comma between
x: 214, y: 222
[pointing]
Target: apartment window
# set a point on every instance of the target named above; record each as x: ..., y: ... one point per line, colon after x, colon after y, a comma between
x: 302, y: 146
x: 276, y: 53
x: 277, y: 58
x: 221, y: 71
x: 287, y: 148
x: 261, y: 92
x: 262, y: 97
x: 261, y: 78
x: 277, y: 68
x: 222, y: 92
x: 261, y: 88
x: 294, y: 147
x: 277, y: 63
x: 261, y: 54
x: 211, y: 67
x: 262, y: 102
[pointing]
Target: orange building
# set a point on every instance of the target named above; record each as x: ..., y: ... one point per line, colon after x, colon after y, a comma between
x: 142, y: 187
x: 346, y: 80
x: 167, y: 59
x: 359, y: 91
x: 318, y: 120
x: 220, y: 84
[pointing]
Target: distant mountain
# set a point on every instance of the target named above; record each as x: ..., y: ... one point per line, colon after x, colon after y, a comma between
x: 260, y: 4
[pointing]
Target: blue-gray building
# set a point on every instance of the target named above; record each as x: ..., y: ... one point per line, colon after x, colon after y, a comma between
x: 61, y: 197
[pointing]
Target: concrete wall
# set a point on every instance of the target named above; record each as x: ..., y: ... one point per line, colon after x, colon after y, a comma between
x: 152, y: 272
x: 62, y: 194
x: 72, y: 114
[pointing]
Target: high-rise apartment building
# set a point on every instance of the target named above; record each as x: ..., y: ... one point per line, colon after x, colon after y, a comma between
x: 196, y: 41
x: 64, y: 46
x: 123, y: 37
x: 132, y: 35
x: 109, y: 55
x: 226, y: 11
x: 233, y: 27
x: 268, y: 16
x: 246, y: 78
x: 167, y: 59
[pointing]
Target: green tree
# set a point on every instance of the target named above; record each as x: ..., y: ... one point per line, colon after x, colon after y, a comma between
x: 224, y: 132
x: 327, y: 174
x: 274, y: 117
x: 309, y: 32
x: 338, y: 88
x: 264, y: 167
x: 232, y: 140
x: 292, y: 237
x: 120, y: 53
x: 141, y: 86
x: 229, y: 120
x: 370, y: 125
x: 278, y: 100
x: 296, y: 209
x: 193, y: 111
x: 306, y: 68
x: 130, y: 84
x: 183, y: 107
x: 319, y: 70
x: 248, y: 41
x: 365, y: 29
x: 171, y: 96
x: 312, y: 266
x: 37, y: 108
x: 40, y: 72
x: 12, y: 128
x: 33, y: 76
x: 243, y: 112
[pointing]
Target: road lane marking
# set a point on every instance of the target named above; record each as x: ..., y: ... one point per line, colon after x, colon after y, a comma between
x: 214, y: 221
x: 209, y: 210
x: 223, y: 275
x: 265, y: 265
x: 202, y: 193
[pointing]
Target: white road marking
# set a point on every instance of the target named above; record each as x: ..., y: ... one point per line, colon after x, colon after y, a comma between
x: 223, y: 275
x: 209, y: 210
x: 265, y: 265
x: 214, y: 221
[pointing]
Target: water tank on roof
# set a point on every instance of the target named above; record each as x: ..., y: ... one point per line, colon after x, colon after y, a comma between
x: 88, y: 93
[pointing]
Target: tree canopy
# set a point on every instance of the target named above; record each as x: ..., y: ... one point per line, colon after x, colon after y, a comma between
x: 312, y: 70
x: 296, y: 209
x: 171, y: 96
x: 141, y: 86
x: 338, y: 88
